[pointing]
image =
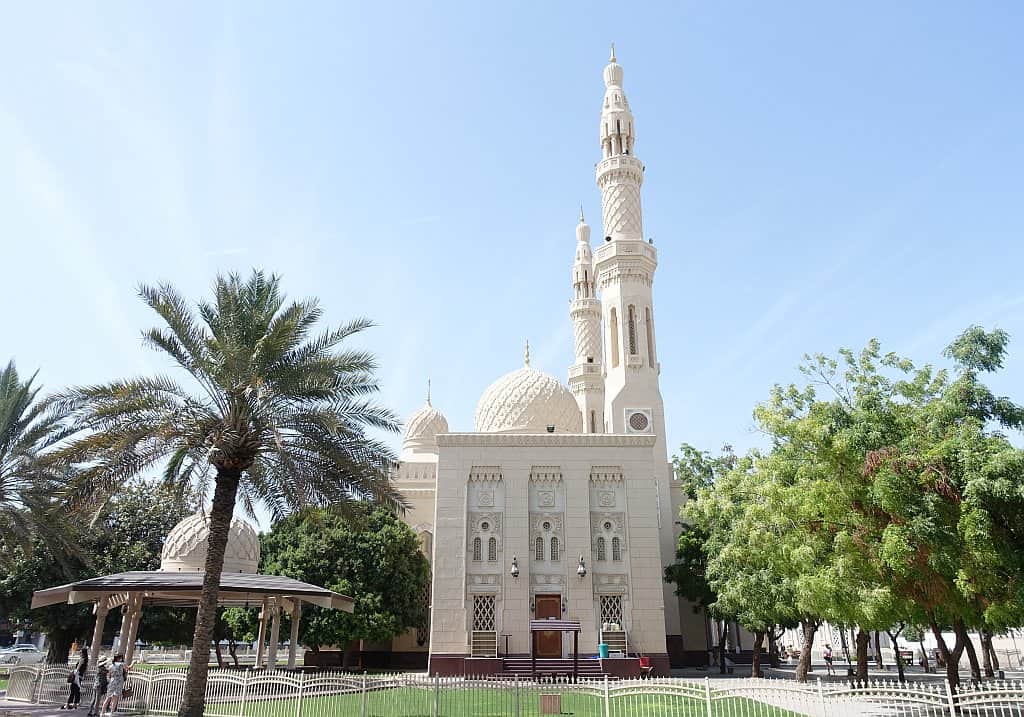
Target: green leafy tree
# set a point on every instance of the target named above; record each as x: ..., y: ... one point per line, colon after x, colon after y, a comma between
x: 272, y: 414
x: 370, y: 555
x: 127, y: 534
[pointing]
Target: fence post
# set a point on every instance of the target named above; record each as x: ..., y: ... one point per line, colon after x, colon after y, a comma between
x: 821, y: 698
x: 707, y: 696
x: 245, y: 691
x: 362, y: 704
x: 149, y: 691
x: 437, y: 692
x: 515, y: 697
x: 950, y: 700
x: 298, y: 702
x: 607, y: 698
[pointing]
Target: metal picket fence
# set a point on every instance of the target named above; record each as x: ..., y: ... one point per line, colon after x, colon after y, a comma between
x: 280, y: 693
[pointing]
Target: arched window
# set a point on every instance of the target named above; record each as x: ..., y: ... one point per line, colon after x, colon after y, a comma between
x: 593, y: 421
x: 554, y: 548
x: 616, y: 549
x: 602, y: 552
x: 613, y: 329
x: 492, y: 549
x: 650, y: 336
x: 476, y: 549
x: 632, y: 330
x: 540, y: 549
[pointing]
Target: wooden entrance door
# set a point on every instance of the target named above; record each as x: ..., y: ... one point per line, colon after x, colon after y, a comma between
x: 549, y: 642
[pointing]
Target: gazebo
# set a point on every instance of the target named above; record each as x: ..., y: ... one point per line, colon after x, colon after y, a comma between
x: 179, y: 582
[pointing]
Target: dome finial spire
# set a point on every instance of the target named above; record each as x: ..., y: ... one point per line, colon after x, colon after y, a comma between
x: 428, y: 391
x: 526, y: 354
x: 582, y: 220
x: 612, y: 58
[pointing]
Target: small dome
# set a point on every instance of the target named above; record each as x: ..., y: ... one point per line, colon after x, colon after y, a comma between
x: 528, y: 401
x: 421, y: 430
x: 185, y: 546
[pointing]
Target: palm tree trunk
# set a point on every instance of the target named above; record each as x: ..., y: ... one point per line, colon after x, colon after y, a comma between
x: 194, y: 702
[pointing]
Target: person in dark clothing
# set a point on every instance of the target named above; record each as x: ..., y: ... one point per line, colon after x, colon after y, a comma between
x: 75, y: 680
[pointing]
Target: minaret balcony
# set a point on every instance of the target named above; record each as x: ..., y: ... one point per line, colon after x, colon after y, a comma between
x: 631, y: 248
x: 584, y: 369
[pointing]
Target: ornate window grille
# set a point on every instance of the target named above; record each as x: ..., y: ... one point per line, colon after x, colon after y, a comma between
x: 492, y: 549
x: 554, y: 549
x: 540, y: 549
x: 614, y: 331
x: 423, y: 631
x: 602, y: 550
x: 631, y: 312
x: 611, y: 609
x: 483, y: 613
x: 616, y: 549
x: 476, y: 550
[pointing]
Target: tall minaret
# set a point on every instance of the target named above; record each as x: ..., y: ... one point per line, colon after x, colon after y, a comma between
x: 585, y: 378
x: 625, y: 266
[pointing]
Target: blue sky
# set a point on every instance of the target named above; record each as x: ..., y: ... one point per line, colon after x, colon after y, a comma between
x: 817, y: 174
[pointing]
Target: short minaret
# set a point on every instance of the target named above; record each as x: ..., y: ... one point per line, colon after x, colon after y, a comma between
x: 625, y: 266
x: 585, y: 378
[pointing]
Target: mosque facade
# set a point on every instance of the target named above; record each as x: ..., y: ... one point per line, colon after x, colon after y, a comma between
x: 561, y: 502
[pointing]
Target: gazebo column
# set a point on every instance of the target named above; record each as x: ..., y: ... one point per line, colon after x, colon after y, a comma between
x: 275, y: 635
x: 262, y: 634
x: 133, y: 627
x: 293, y: 638
x: 126, y: 621
x: 101, y: 610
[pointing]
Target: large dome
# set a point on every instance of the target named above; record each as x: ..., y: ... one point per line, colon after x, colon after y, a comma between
x: 185, y: 546
x: 421, y: 430
x: 528, y: 401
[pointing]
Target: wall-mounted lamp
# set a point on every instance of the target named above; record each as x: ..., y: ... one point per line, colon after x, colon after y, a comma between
x: 514, y: 572
x: 533, y: 606
x: 581, y: 569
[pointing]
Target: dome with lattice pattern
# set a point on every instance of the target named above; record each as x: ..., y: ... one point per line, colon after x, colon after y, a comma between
x: 528, y: 401
x: 421, y: 430
x: 185, y: 547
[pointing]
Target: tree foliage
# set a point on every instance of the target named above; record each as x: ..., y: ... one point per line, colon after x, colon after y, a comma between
x: 888, y: 493
x: 370, y: 555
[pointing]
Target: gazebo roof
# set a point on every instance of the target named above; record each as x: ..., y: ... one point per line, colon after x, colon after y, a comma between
x: 176, y: 588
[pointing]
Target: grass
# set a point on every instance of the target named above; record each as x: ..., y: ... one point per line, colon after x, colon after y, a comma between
x: 3, y: 683
x: 413, y: 702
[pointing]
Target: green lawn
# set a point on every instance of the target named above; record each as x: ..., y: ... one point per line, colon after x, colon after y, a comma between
x: 3, y: 683
x: 412, y: 702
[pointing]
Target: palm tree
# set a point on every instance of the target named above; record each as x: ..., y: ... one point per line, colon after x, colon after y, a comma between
x: 26, y: 431
x: 277, y: 415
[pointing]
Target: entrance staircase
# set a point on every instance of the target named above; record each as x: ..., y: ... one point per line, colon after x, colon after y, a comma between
x: 521, y: 666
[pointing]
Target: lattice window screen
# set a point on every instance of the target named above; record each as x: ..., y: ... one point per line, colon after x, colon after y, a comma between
x: 492, y: 549
x: 554, y: 549
x: 602, y: 551
x: 616, y: 549
x: 483, y: 612
x: 540, y: 549
x: 423, y: 632
x: 476, y: 549
x: 611, y: 608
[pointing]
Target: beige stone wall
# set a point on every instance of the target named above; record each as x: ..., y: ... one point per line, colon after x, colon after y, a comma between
x: 575, y: 457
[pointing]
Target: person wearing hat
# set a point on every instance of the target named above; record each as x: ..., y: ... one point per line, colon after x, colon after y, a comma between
x: 99, y: 685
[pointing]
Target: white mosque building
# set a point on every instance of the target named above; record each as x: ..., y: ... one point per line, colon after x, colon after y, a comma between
x: 560, y: 503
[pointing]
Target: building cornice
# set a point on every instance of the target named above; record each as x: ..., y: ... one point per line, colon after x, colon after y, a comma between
x: 546, y: 440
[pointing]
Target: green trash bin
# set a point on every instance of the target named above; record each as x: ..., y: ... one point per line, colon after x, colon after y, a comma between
x: 602, y: 650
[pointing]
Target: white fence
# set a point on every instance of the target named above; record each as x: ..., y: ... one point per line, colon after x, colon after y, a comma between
x: 260, y: 693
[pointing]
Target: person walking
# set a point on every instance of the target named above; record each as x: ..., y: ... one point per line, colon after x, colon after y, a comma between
x: 116, y: 679
x: 827, y: 654
x: 75, y: 680
x: 99, y: 686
